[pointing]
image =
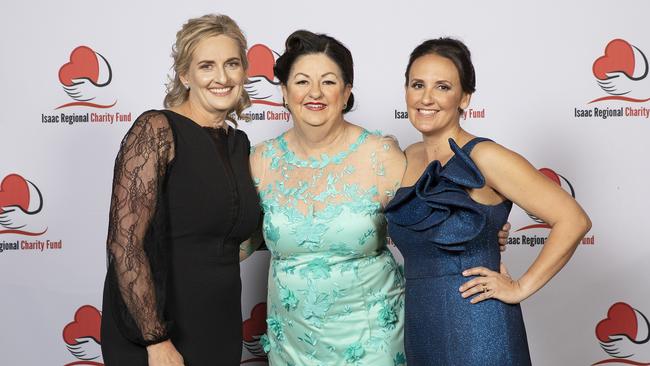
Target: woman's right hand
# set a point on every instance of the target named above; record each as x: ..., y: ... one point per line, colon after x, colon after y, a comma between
x: 164, y: 354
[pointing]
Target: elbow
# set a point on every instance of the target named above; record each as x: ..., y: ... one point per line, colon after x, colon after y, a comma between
x: 586, y: 222
x: 581, y: 225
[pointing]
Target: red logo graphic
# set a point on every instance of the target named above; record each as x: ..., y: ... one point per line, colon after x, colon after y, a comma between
x: 262, y: 86
x: 624, y: 335
x: 82, y: 337
x: 621, y: 72
x: 253, y: 329
x: 84, y: 78
x: 20, y: 202
x: 560, y: 181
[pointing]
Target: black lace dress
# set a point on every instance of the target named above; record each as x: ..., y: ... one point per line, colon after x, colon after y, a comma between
x: 183, y: 200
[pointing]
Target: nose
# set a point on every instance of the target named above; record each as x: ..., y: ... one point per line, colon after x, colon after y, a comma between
x: 427, y: 96
x: 221, y: 76
x: 315, y: 92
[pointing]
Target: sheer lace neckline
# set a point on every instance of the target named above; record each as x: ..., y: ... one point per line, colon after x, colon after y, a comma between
x: 290, y: 157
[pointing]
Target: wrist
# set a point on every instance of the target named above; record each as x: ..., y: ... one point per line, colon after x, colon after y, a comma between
x: 523, y: 289
x: 158, y: 347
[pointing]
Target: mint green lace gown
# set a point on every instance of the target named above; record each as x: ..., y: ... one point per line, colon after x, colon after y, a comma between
x: 335, y: 292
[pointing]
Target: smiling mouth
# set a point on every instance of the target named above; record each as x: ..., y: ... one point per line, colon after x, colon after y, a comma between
x: 427, y: 112
x: 315, y: 106
x: 221, y: 92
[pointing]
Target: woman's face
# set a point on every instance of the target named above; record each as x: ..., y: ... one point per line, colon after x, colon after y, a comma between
x: 315, y: 91
x: 216, y: 75
x: 434, y: 94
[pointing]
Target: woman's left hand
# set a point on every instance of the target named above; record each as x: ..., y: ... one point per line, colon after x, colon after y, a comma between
x: 490, y: 284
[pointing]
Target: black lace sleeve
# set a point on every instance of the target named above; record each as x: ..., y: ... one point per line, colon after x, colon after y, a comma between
x: 136, y: 260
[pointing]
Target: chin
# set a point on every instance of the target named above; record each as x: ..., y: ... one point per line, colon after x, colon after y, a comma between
x: 314, y: 123
x: 223, y: 106
x: 318, y: 121
x: 425, y: 126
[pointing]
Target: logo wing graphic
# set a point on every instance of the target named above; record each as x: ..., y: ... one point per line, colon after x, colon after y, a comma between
x: 259, y: 88
x: 86, y: 349
x: 621, y: 346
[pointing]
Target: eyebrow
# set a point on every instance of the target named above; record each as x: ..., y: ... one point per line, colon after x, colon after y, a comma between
x: 213, y: 62
x: 325, y: 74
x: 437, y: 82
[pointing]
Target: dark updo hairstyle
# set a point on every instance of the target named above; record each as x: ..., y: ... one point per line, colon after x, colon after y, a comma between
x: 451, y: 49
x: 303, y: 42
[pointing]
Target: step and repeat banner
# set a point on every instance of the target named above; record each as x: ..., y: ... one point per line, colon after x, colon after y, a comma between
x: 565, y: 84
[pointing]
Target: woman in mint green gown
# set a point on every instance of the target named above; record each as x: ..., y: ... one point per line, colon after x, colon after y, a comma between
x: 335, y: 292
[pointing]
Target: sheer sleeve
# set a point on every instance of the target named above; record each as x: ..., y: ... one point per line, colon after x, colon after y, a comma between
x: 134, y: 244
x: 257, y: 162
x: 389, y: 168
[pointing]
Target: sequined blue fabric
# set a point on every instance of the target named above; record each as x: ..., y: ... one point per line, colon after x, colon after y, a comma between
x: 441, y: 231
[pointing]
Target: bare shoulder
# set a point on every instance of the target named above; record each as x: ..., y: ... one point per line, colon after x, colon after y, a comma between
x: 414, y: 150
x: 491, y: 157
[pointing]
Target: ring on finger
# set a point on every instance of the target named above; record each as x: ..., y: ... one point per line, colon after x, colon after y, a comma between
x: 484, y: 287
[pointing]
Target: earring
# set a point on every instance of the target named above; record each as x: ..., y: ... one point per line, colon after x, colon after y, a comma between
x: 187, y: 86
x: 345, y: 106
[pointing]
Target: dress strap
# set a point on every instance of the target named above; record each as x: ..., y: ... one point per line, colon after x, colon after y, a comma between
x: 467, y: 148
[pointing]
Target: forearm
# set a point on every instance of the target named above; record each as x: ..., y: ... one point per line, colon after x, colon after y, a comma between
x: 137, y: 289
x: 558, y: 249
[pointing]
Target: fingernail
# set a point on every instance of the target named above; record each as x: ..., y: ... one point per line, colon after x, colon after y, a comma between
x: 460, y: 289
x: 464, y: 273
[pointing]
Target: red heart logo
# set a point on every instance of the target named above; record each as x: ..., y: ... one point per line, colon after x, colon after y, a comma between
x: 621, y: 319
x: 619, y: 56
x: 14, y: 191
x: 550, y: 174
x: 83, y: 64
x: 260, y: 61
x: 86, y: 323
x: 256, y: 325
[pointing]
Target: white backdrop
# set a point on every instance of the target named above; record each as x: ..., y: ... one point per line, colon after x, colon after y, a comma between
x: 535, y: 68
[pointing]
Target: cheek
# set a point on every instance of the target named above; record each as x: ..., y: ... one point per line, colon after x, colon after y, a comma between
x: 450, y: 101
x: 203, y: 78
x: 237, y: 77
x: 295, y: 95
x: 335, y: 94
x: 411, y: 98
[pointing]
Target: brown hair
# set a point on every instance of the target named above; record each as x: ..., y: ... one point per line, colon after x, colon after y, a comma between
x: 192, y: 32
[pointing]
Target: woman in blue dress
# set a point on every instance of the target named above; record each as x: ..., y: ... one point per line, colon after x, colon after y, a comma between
x: 456, y: 192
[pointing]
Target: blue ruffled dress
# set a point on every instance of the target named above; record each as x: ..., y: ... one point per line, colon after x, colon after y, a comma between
x: 441, y: 231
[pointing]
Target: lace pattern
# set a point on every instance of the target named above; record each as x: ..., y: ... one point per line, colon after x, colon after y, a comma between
x: 135, y: 245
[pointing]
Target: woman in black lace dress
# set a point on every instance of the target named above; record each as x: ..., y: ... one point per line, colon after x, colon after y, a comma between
x: 183, y: 200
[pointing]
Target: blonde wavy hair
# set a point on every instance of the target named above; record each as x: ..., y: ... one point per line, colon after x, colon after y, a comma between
x: 187, y: 39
